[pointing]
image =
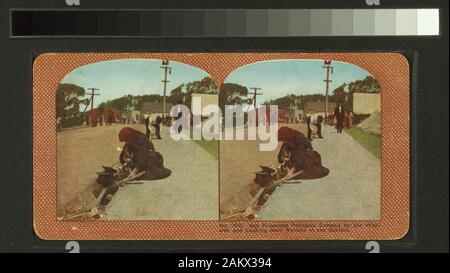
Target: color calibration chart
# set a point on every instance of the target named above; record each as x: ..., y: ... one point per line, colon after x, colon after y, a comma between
x: 226, y: 22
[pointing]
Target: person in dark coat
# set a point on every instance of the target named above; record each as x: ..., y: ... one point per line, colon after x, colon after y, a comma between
x: 301, y: 154
x: 339, y: 113
x: 147, y: 128
x: 179, y: 115
x: 157, y: 125
x: 111, y: 118
x: 143, y: 155
x: 318, y: 124
x: 308, y: 125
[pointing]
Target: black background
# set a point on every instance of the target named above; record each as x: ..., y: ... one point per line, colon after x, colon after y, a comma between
x: 429, y: 121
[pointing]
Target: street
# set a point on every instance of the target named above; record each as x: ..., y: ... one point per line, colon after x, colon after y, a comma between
x: 189, y: 193
x: 351, y: 191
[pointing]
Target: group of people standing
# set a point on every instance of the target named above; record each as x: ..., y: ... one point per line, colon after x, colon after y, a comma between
x: 156, y: 123
x: 159, y: 121
x: 316, y: 121
x: 342, y: 117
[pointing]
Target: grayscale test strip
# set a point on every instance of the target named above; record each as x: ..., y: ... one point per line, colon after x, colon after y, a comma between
x: 227, y: 22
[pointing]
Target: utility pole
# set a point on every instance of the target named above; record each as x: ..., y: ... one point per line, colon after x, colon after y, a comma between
x: 91, y: 100
x: 329, y: 68
x: 255, y: 93
x: 167, y: 68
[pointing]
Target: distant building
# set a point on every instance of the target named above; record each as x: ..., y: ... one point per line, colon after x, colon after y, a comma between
x: 111, y: 115
x: 317, y: 108
x: 135, y: 117
x: 153, y: 109
x: 102, y: 116
x: 294, y: 116
x: 206, y: 99
x: 282, y: 117
x: 298, y: 115
x: 366, y: 103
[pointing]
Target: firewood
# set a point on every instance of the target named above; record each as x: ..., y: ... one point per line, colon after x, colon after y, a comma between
x: 253, y: 202
x: 287, y: 177
x: 256, y: 197
x: 232, y: 215
x: 134, y: 183
x: 77, y: 215
x: 115, y: 186
x: 100, y: 198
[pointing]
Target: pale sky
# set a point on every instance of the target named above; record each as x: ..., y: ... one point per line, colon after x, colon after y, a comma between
x: 117, y: 78
x: 132, y: 76
x: 298, y: 77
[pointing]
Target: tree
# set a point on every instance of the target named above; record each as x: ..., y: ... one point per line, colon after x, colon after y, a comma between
x: 367, y: 85
x: 123, y: 104
x: 339, y: 94
x: 203, y: 86
x: 340, y: 90
x: 68, y: 101
x: 139, y: 100
x: 288, y: 102
x: 232, y: 94
x: 177, y: 95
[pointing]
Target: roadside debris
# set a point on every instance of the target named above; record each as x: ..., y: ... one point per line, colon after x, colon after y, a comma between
x: 108, y: 183
x: 259, y: 191
x: 372, y: 124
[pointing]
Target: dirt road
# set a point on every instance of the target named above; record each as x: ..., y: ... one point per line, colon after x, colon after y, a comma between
x: 239, y: 160
x: 350, y: 191
x: 191, y: 192
x: 80, y: 154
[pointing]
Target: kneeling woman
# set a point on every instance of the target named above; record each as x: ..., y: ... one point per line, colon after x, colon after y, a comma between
x: 298, y: 153
x: 142, y: 155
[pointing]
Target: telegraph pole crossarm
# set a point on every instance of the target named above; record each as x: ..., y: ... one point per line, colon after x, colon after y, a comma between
x: 91, y: 99
x: 255, y: 93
